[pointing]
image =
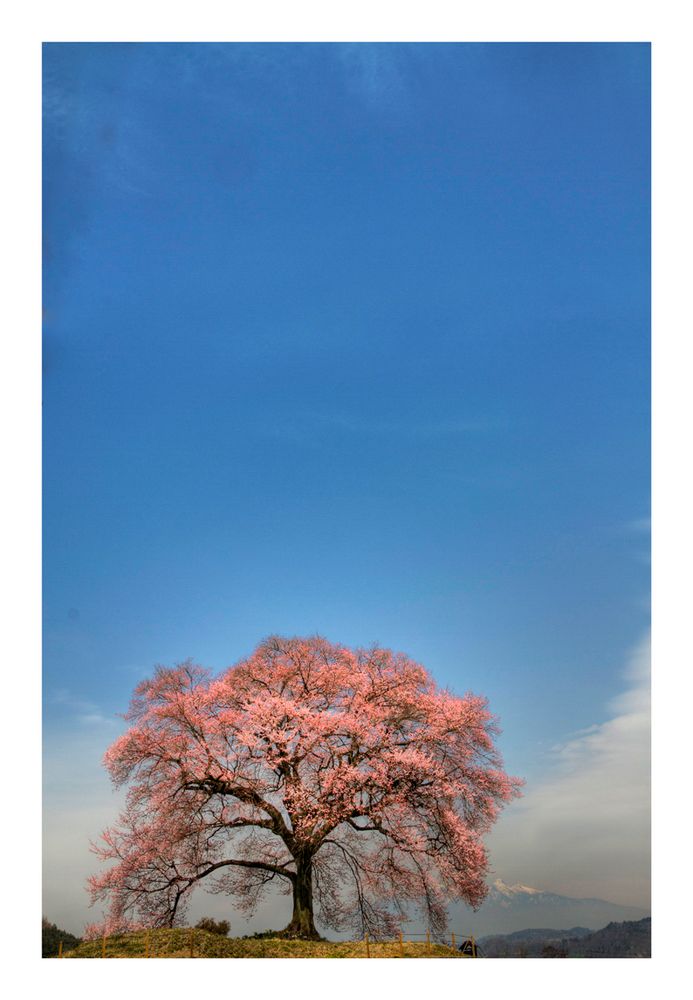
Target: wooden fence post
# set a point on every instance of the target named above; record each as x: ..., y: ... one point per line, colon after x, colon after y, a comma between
x: 368, y: 947
x: 453, y: 941
x: 60, y: 949
x: 103, y: 946
x: 473, y: 947
x: 428, y: 939
x: 401, y: 946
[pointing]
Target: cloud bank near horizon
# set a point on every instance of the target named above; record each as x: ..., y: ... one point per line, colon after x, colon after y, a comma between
x: 584, y: 829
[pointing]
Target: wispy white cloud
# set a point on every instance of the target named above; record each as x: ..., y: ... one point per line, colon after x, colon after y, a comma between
x: 84, y: 712
x: 584, y: 830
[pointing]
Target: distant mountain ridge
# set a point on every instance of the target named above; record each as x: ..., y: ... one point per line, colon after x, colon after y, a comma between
x: 625, y: 939
x: 539, y: 934
x: 510, y: 908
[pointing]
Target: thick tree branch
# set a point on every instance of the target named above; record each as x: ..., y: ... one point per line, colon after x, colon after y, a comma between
x: 280, y: 870
x: 216, y: 786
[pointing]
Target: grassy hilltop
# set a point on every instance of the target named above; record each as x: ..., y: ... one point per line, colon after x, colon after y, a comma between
x: 176, y: 943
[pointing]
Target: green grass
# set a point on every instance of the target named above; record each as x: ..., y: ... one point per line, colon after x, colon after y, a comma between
x: 176, y: 943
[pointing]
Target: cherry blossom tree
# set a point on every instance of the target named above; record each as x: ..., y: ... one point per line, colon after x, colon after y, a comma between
x: 343, y: 777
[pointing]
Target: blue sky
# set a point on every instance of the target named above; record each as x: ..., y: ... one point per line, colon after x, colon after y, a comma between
x: 350, y: 339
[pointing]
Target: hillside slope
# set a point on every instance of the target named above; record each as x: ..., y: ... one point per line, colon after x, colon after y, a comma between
x: 179, y: 942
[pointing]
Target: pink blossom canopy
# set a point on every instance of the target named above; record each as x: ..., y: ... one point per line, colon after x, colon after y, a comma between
x: 344, y: 777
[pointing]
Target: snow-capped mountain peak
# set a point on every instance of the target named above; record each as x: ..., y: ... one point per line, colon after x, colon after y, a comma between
x: 514, y: 890
x: 517, y: 907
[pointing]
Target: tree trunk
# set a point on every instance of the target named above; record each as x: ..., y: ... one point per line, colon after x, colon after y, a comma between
x: 302, y: 925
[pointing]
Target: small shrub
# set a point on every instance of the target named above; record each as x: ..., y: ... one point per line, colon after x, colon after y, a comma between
x: 214, y: 926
